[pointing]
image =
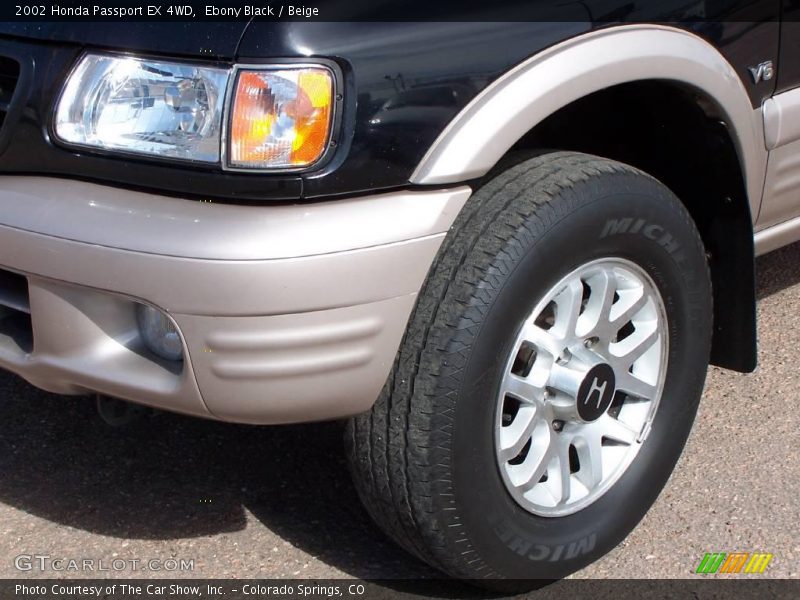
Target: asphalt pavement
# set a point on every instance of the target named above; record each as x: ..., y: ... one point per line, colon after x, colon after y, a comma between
x: 277, y: 502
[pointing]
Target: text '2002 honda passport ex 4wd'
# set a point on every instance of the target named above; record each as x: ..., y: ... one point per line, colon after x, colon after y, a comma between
x: 507, y: 252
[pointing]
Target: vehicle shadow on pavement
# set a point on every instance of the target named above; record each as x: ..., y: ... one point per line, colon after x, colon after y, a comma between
x: 169, y: 477
x: 778, y: 271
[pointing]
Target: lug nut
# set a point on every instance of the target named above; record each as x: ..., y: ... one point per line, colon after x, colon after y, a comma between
x: 590, y: 342
x: 564, y: 358
x: 558, y: 425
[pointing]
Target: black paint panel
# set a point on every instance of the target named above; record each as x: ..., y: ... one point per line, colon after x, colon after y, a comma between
x: 789, y: 65
x: 403, y: 82
x: 204, y: 39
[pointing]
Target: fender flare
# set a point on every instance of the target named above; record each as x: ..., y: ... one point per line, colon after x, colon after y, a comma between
x: 477, y: 138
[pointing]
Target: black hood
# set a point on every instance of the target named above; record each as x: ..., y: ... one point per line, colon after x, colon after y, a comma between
x: 196, y: 39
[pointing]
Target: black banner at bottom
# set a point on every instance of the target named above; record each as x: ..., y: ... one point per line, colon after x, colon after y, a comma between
x: 232, y: 589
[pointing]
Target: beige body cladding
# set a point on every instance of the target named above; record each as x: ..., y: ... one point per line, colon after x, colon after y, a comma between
x: 295, y: 313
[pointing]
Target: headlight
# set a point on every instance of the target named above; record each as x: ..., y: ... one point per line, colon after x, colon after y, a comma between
x: 157, y: 108
x: 280, y: 117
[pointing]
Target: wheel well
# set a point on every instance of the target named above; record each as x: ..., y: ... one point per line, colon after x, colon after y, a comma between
x: 677, y: 136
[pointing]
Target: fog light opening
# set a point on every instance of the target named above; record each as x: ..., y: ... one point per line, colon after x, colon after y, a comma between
x: 159, y: 333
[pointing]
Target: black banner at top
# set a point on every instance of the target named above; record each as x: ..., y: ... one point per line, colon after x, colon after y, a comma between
x: 597, y: 11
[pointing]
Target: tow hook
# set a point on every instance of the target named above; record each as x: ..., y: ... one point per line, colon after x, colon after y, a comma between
x: 118, y: 413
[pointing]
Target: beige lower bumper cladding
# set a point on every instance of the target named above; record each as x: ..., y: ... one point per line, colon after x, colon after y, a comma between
x: 287, y: 313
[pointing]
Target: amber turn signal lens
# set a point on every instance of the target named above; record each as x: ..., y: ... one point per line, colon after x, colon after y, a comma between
x: 281, y: 118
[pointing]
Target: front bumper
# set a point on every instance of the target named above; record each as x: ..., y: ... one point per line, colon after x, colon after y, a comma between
x: 287, y: 313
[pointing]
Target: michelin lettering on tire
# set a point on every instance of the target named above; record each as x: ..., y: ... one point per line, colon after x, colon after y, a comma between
x: 632, y: 225
x: 537, y: 552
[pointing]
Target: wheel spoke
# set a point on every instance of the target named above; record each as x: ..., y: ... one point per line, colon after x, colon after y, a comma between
x: 633, y: 347
x: 634, y: 386
x: 603, y: 285
x: 614, y: 429
x: 629, y: 304
x: 565, y: 485
x: 521, y: 388
x: 513, y: 437
x: 568, y: 308
x: 542, y: 339
x: 590, y: 457
x: 606, y: 292
x: 526, y: 475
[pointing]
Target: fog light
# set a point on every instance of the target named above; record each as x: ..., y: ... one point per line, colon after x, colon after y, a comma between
x: 158, y: 333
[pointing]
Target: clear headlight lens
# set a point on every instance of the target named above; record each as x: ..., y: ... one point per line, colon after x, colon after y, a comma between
x: 163, y: 109
x: 281, y: 118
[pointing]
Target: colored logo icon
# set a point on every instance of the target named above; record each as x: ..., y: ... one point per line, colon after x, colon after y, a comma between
x: 736, y: 562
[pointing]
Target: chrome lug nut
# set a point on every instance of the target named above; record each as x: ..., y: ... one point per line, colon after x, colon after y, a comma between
x: 565, y: 357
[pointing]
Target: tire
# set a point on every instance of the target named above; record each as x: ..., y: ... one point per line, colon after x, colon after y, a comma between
x: 425, y: 459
